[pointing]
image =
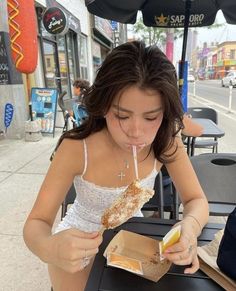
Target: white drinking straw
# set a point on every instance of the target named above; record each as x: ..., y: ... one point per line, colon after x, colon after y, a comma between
x: 135, y: 161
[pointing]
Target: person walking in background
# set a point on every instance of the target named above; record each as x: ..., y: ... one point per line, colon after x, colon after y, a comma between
x: 133, y: 102
x: 80, y: 88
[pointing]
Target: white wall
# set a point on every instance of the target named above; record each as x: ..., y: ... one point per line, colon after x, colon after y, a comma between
x: 13, y: 94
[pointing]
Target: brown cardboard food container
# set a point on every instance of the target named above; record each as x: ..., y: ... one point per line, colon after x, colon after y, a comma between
x: 207, y: 257
x: 137, y: 254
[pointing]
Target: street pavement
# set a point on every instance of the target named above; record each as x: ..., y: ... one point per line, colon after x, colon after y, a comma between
x: 23, y: 166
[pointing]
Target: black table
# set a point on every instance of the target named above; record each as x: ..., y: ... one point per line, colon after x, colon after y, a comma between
x: 210, y: 129
x: 103, y: 278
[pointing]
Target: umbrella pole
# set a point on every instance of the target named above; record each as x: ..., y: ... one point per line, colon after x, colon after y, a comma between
x: 188, y: 5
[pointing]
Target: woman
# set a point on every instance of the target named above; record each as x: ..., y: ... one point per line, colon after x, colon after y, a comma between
x: 133, y: 102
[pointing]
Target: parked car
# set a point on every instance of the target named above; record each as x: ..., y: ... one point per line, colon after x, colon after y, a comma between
x: 191, y: 78
x: 229, y: 79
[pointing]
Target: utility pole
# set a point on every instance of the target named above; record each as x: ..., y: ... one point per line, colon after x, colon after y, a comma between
x: 170, y: 43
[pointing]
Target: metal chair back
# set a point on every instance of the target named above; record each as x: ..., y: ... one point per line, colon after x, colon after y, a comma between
x: 208, y: 113
x: 217, y: 176
x: 204, y: 112
x: 69, y: 199
x: 165, y: 198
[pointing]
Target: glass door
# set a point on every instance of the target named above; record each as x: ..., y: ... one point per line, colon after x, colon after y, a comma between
x: 52, y: 77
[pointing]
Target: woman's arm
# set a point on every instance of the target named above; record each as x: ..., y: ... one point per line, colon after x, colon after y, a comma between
x: 188, y: 187
x: 195, y: 213
x: 191, y: 128
x: 67, y: 248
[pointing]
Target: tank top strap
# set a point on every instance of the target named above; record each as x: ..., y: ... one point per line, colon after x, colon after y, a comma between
x: 155, y: 164
x: 85, y: 158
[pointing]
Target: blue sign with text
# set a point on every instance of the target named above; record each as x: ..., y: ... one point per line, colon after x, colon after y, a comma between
x: 114, y: 25
x: 44, y: 106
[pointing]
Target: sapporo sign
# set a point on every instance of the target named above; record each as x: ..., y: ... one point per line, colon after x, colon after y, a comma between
x: 55, y: 21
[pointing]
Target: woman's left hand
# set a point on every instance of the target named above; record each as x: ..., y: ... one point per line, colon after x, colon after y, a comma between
x: 184, y: 252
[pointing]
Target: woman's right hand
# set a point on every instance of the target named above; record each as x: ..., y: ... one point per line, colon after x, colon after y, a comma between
x: 72, y: 249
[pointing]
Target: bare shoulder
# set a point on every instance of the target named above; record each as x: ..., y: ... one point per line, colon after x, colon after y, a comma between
x: 97, y: 142
x: 177, y: 149
x: 180, y: 164
x: 70, y: 153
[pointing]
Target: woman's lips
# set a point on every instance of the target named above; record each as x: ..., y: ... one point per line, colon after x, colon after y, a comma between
x: 138, y: 146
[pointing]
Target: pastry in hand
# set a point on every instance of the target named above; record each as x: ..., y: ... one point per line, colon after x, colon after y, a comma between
x: 126, y: 205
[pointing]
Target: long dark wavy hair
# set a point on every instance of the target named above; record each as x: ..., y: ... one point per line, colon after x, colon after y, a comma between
x: 130, y: 64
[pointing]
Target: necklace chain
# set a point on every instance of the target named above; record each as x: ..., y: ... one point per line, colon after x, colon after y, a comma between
x: 121, y: 174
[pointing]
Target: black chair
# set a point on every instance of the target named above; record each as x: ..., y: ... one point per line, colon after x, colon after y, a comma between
x: 209, y: 113
x: 217, y: 176
x: 69, y: 199
x: 165, y: 198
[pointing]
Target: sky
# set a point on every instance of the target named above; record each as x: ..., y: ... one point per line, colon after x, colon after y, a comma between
x: 224, y: 33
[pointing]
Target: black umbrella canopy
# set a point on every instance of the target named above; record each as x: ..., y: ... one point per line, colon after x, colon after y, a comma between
x: 167, y: 13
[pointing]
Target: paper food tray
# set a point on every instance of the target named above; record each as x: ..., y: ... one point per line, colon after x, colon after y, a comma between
x: 137, y: 254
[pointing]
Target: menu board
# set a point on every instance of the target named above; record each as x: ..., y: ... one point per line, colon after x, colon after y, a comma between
x: 44, y: 106
x: 8, y: 73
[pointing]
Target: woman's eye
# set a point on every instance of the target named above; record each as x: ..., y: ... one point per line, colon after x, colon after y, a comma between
x: 121, y: 117
x: 151, y: 118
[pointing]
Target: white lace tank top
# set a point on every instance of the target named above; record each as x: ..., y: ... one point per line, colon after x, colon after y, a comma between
x: 91, y: 201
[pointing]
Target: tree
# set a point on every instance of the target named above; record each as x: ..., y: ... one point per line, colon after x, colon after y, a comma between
x: 154, y: 35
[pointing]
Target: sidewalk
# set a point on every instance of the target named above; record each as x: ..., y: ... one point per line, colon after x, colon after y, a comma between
x: 22, y: 169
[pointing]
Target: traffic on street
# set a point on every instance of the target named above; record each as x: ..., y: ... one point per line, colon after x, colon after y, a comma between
x: 214, y: 92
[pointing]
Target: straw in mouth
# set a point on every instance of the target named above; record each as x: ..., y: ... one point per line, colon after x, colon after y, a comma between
x: 134, y: 149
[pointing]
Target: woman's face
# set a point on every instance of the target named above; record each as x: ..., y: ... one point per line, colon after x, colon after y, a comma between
x: 135, y: 117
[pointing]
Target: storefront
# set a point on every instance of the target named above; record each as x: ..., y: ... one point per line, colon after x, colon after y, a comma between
x: 62, y: 57
x: 102, y: 40
x: 59, y: 51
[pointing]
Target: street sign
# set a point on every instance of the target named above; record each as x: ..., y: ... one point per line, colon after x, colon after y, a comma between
x: 114, y: 25
x: 55, y: 21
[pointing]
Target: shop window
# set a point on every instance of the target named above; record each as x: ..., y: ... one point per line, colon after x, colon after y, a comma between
x: 83, y: 57
x: 72, y: 48
x: 232, y: 54
x: 63, y: 66
x: 50, y: 64
x: 60, y: 58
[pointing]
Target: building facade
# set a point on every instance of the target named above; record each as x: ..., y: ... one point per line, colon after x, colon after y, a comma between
x: 215, y: 60
x: 77, y: 52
